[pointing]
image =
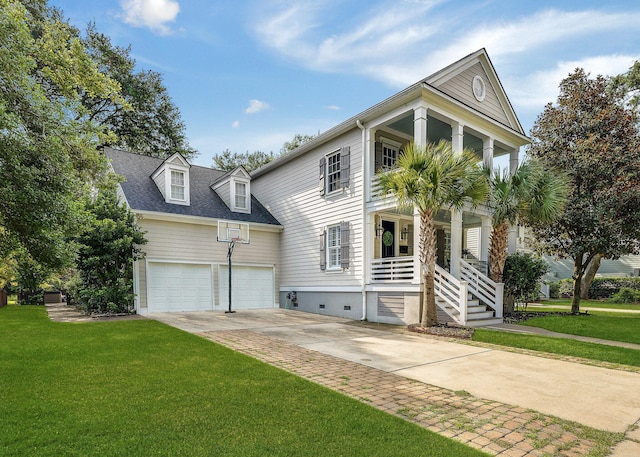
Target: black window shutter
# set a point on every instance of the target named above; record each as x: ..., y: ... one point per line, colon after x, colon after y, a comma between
x: 344, y: 245
x: 378, y: 157
x: 323, y: 247
x: 345, y: 166
x: 323, y: 167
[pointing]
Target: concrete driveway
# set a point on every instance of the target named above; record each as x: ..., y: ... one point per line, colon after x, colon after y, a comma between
x: 603, y: 398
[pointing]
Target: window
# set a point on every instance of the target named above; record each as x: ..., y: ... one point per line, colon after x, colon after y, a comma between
x: 389, y: 156
x: 177, y: 185
x: 334, y: 171
x: 333, y: 247
x: 241, y: 195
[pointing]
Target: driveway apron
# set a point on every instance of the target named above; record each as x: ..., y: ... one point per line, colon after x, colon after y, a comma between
x: 496, y: 395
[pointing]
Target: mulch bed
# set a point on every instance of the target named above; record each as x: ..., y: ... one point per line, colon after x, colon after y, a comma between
x: 448, y: 330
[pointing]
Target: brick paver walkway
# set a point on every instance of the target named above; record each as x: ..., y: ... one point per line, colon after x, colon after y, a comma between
x: 491, y: 426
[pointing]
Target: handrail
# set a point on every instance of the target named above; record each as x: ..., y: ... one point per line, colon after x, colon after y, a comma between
x: 491, y: 293
x: 392, y: 269
x: 452, y: 291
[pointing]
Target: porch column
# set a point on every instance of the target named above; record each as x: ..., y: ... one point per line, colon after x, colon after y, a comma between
x: 487, y: 152
x: 369, y: 247
x: 485, y: 234
x: 420, y: 126
x: 416, y: 249
x: 369, y: 162
x: 456, y: 242
x: 513, y: 160
x: 457, y: 137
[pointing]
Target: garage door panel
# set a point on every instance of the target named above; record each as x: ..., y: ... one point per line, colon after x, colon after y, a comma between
x: 179, y: 287
x: 252, y: 288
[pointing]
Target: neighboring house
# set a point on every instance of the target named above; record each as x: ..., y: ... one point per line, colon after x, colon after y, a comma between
x: 179, y: 207
x: 346, y: 250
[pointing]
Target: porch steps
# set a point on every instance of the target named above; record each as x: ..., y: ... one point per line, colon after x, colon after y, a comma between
x: 477, y: 315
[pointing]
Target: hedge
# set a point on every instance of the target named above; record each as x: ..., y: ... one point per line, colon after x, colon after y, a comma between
x: 601, y: 288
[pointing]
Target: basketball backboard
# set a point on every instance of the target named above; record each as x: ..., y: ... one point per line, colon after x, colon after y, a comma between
x: 233, y: 231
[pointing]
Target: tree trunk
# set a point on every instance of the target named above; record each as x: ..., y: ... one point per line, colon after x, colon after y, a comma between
x: 578, y: 271
x: 498, y: 250
x: 589, y: 275
x: 427, y: 253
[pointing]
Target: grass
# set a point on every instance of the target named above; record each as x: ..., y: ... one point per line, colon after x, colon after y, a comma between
x: 593, y: 351
x: 139, y: 387
x: 566, y: 303
x: 597, y: 324
x: 607, y: 326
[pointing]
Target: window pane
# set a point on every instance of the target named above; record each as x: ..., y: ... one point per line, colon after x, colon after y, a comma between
x: 333, y: 247
x: 241, y: 195
x: 177, y: 185
x: 333, y: 172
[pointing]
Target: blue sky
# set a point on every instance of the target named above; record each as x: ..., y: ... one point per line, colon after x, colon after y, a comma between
x: 248, y: 75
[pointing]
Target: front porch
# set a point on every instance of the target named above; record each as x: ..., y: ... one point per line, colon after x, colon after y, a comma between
x: 464, y: 293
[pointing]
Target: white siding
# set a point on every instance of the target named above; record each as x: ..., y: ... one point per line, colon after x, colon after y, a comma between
x: 184, y: 242
x: 223, y: 190
x: 160, y: 182
x: 459, y: 87
x: 291, y: 193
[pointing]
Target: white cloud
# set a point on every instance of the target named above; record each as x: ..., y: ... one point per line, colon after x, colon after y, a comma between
x: 333, y: 107
x: 255, y: 106
x: 154, y: 14
x: 542, y: 87
x: 235, y: 124
x: 401, y: 42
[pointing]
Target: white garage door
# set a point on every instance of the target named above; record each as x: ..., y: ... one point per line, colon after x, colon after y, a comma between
x: 179, y: 287
x: 252, y: 288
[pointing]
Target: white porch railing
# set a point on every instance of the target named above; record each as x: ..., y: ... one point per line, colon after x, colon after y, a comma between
x: 392, y: 269
x: 484, y: 288
x: 453, y: 292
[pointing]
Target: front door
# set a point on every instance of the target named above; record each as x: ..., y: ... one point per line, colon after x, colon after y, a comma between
x: 388, y: 239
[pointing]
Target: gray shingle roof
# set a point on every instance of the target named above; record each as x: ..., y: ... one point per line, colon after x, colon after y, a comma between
x: 143, y: 194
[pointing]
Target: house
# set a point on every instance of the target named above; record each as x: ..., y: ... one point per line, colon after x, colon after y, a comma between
x: 322, y: 238
x: 181, y: 207
x: 348, y: 251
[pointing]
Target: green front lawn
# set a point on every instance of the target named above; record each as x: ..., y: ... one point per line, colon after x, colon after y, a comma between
x: 142, y: 388
x: 592, y: 351
x: 607, y: 326
x: 566, y: 303
x: 597, y: 324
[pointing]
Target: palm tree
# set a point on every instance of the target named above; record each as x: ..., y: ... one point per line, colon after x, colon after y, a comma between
x: 530, y: 193
x: 430, y: 178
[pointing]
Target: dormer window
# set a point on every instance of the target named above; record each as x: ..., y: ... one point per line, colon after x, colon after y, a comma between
x: 172, y: 179
x: 241, y: 195
x: 177, y: 185
x: 234, y: 189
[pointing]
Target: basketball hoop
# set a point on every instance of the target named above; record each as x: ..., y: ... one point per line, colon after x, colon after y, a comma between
x: 232, y: 232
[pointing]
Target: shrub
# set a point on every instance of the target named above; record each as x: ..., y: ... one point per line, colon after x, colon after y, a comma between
x: 608, y: 287
x: 522, y: 274
x: 626, y: 295
x: 601, y: 288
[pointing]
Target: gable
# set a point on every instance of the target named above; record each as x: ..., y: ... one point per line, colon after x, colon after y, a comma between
x: 474, y: 82
x: 460, y: 87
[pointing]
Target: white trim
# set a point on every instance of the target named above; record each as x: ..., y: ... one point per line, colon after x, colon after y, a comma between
x: 232, y: 195
x: 393, y: 287
x: 328, y: 249
x: 201, y: 220
x: 357, y: 289
x: 337, y: 153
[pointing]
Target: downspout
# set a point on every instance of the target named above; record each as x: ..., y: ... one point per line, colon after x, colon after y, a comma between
x: 365, y: 229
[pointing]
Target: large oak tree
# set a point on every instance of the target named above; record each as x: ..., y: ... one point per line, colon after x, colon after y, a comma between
x: 48, y: 142
x: 591, y: 135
